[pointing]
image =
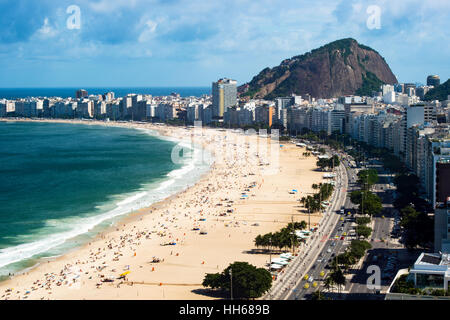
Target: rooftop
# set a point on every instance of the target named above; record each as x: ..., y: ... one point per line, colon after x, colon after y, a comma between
x: 436, y: 259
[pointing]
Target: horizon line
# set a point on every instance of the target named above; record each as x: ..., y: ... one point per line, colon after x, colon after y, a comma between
x: 117, y: 87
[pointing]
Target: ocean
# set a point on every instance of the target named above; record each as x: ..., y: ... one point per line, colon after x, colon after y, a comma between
x: 15, y: 93
x: 60, y: 184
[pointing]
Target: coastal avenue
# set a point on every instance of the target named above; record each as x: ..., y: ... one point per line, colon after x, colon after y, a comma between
x: 309, y: 253
x: 382, y: 245
x: 332, y: 245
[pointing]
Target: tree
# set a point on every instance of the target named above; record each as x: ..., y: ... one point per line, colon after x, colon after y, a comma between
x: 312, y: 204
x: 363, y: 231
x: 367, y: 178
x: 329, y: 284
x: 297, y: 225
x: 368, y: 202
x: 338, y: 277
x: 362, y: 220
x: 212, y: 280
x: 323, y: 163
x: 249, y: 282
x: 318, y: 295
x: 345, y: 260
x: 358, y: 248
x: 259, y: 241
x: 402, y: 285
x: 418, y: 226
x: 407, y: 184
x: 326, y: 190
x: 335, y: 162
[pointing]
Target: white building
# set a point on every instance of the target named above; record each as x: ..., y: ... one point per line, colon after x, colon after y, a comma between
x: 431, y: 270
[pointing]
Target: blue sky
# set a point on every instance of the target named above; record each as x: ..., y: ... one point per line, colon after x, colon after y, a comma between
x: 192, y: 43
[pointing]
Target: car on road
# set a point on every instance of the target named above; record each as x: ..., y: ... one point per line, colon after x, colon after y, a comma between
x: 329, y: 250
x: 342, y: 238
x: 333, y: 244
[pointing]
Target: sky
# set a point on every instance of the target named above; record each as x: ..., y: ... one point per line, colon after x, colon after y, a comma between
x: 160, y: 43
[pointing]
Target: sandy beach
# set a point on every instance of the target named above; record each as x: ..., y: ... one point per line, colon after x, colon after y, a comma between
x: 215, y: 205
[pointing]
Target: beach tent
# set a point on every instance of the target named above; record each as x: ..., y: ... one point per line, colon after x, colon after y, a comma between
x: 275, y: 266
x: 294, y: 190
x: 286, y: 256
x: 280, y: 261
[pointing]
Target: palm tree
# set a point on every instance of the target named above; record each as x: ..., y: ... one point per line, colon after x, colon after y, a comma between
x: 338, y: 277
x: 329, y: 284
x: 303, y: 200
x: 259, y: 241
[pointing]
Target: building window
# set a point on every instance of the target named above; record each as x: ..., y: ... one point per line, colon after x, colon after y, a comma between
x: 430, y: 280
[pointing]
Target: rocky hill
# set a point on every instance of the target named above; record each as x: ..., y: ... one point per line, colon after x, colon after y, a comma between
x: 440, y: 93
x: 342, y: 67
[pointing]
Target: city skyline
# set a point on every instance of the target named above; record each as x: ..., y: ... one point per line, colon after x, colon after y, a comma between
x: 179, y: 43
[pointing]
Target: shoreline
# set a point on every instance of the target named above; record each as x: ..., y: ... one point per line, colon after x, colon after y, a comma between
x: 181, y: 279
x: 124, y: 218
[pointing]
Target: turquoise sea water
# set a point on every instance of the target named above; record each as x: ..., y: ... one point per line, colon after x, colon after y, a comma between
x: 61, y: 183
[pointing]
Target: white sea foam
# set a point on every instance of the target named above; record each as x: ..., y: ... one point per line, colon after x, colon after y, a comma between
x: 131, y: 199
x: 176, y: 180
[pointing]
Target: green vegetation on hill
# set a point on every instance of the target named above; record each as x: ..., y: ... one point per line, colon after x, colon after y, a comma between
x: 370, y: 83
x: 440, y: 93
x: 285, y: 88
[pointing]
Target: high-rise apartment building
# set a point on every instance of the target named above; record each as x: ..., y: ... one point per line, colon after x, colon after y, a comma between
x: 224, y: 95
x: 81, y: 94
x: 442, y: 229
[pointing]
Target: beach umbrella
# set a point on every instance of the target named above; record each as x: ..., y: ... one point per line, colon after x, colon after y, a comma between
x: 125, y: 273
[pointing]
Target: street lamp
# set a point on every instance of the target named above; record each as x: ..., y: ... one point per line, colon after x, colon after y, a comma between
x: 231, y: 279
